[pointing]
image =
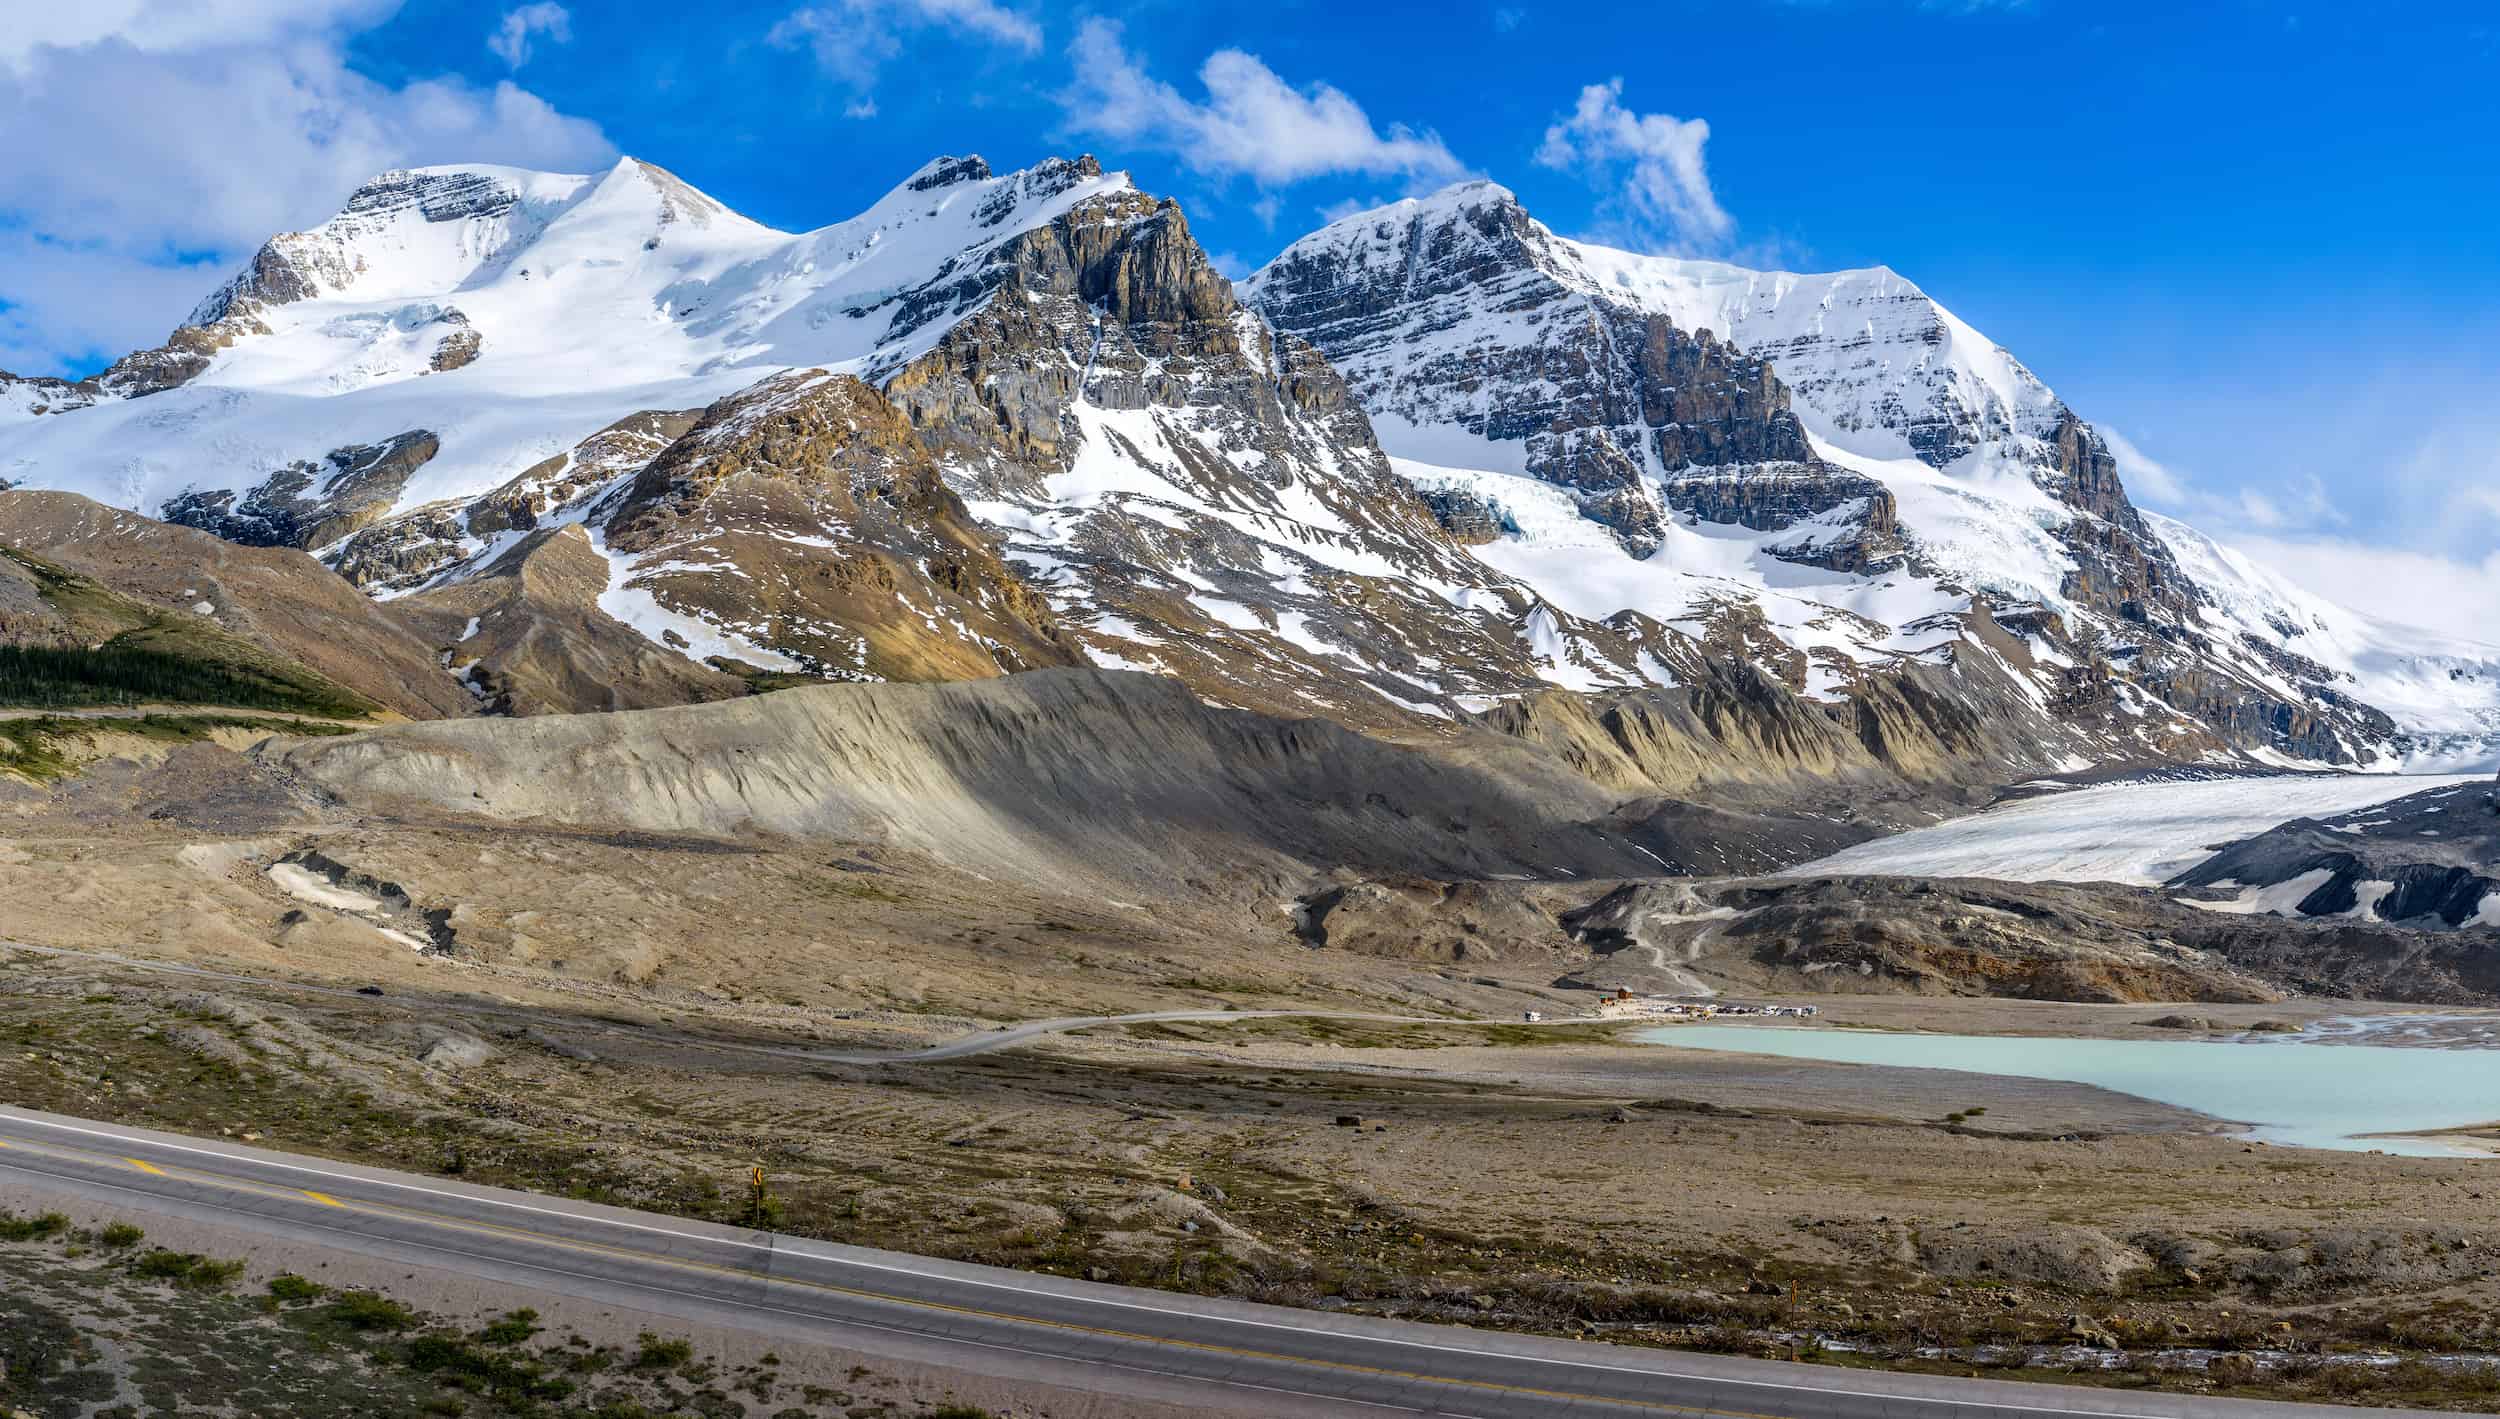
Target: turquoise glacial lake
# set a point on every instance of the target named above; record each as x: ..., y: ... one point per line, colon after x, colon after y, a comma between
x: 2301, y: 1091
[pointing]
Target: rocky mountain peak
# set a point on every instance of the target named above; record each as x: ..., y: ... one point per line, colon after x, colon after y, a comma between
x: 437, y: 194
x: 943, y: 172
x: 1844, y: 421
x: 1458, y: 313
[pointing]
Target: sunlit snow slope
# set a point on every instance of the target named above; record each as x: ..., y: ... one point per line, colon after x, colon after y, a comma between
x: 592, y: 297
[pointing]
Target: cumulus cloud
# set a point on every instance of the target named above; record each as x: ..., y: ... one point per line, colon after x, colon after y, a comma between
x: 1652, y: 164
x: 853, y: 40
x: 521, y: 28
x: 166, y: 26
x: 107, y: 198
x: 89, y: 297
x: 1251, y: 123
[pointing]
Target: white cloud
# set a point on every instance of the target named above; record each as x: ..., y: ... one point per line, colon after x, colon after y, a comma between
x: 89, y: 298
x: 1652, y: 161
x: 2300, y: 502
x: 1343, y: 208
x: 137, y: 161
x: 2455, y: 595
x: 1251, y: 123
x: 853, y: 39
x: 2286, y: 502
x: 512, y: 39
x: 164, y: 26
x: 2147, y: 478
x: 2428, y: 478
x: 2448, y: 485
x: 2445, y: 494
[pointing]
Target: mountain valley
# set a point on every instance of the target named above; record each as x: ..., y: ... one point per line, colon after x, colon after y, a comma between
x: 546, y: 679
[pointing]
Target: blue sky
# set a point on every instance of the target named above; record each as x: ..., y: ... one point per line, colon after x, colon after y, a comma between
x: 2259, y: 241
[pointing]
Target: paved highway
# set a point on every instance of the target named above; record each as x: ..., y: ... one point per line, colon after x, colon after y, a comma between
x: 1228, y: 1356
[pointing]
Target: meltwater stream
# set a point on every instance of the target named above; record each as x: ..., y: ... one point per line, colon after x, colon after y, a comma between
x: 2301, y: 1091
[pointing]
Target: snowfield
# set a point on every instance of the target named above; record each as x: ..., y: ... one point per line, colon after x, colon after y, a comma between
x: 2139, y: 834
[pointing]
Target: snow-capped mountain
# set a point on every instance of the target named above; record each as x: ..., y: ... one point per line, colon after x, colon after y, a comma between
x: 1848, y: 443
x: 1004, y: 421
x: 512, y: 315
x: 465, y: 361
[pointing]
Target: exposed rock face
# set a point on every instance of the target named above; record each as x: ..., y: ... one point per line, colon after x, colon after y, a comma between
x: 1201, y: 495
x: 621, y: 450
x: 402, y: 552
x: 1733, y: 734
x: 459, y: 346
x: 1251, y: 539
x: 1969, y: 938
x: 1890, y: 935
x: 1843, y: 521
x: 412, y: 548
x: 1602, y: 397
x: 806, y: 516
x: 26, y: 616
x: 311, y: 504
x: 2431, y: 860
x: 1227, y: 517
x: 2121, y: 569
x: 1470, y: 519
x: 297, y: 266
x: 1417, y: 918
x: 31, y: 397
x: 527, y: 636
x: 182, y: 358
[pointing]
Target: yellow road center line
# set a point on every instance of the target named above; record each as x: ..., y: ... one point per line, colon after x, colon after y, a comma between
x: 491, y: 1229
